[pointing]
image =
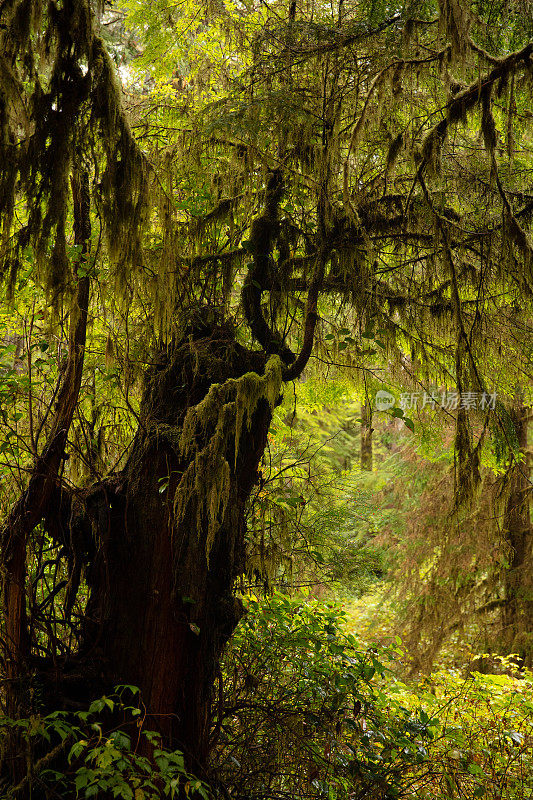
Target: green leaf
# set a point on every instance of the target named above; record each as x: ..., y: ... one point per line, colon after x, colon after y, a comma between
x: 97, y: 706
x: 82, y: 778
x: 76, y: 750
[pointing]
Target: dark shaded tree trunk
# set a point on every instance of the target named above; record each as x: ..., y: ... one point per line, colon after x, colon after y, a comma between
x: 517, y: 610
x: 366, y: 438
x: 161, y: 607
x: 163, y: 542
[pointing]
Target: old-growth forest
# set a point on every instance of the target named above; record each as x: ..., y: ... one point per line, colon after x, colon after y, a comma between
x: 266, y: 385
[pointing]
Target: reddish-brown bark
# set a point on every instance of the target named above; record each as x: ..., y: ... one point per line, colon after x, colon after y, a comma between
x: 161, y: 611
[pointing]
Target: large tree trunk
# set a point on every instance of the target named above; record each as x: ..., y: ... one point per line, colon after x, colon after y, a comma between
x: 161, y: 606
x: 163, y: 542
x: 517, y: 611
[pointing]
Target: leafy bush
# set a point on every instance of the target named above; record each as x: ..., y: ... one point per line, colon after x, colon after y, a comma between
x: 311, y: 712
x: 80, y: 757
x: 483, y: 743
x: 307, y: 711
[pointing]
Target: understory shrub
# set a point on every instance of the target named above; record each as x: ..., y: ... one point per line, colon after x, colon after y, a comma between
x: 307, y: 710
x: 76, y: 755
x: 310, y: 711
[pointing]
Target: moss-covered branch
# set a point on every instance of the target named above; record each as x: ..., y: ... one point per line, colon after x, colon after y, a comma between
x: 265, y: 229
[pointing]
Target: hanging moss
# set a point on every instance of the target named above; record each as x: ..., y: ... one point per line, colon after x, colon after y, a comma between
x: 488, y: 125
x: 455, y: 23
x: 52, y: 115
x: 227, y: 409
x: 431, y: 150
x: 395, y: 149
x: 124, y: 185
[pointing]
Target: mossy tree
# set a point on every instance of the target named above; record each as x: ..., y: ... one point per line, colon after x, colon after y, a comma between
x: 517, y: 604
x: 323, y: 162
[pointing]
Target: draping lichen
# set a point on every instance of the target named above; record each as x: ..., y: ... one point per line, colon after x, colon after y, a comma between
x: 210, y: 441
x: 60, y: 103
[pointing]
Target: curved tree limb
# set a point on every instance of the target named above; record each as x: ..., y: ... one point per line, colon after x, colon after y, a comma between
x: 470, y: 97
x: 32, y: 505
x: 259, y: 278
x: 311, y: 318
